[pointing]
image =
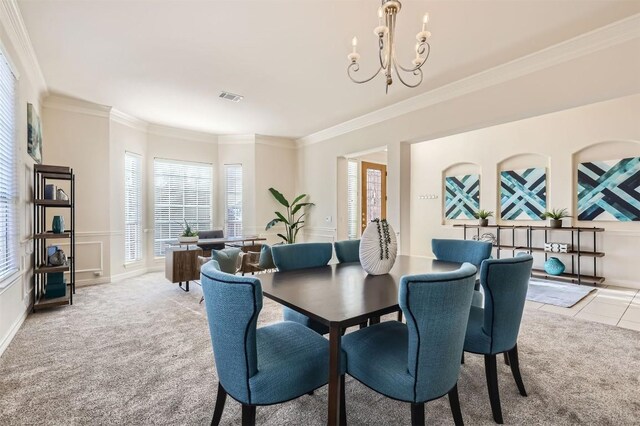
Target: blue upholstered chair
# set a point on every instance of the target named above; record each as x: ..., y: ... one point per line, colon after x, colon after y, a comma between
x: 494, y: 329
x: 461, y: 251
x: 418, y: 361
x: 257, y: 366
x: 347, y: 251
x: 290, y: 257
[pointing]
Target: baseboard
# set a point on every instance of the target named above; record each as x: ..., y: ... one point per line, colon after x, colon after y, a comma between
x: 623, y: 283
x: 12, y: 332
x: 136, y: 273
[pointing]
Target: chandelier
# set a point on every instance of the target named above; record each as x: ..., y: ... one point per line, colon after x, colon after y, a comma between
x: 386, y: 41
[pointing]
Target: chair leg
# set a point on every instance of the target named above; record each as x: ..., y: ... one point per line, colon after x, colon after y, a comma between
x: 417, y: 414
x: 400, y: 316
x: 506, y: 358
x: 363, y: 325
x: 492, y: 384
x: 454, y: 402
x: 220, y: 400
x: 462, y: 358
x: 343, y: 406
x: 248, y: 415
x: 310, y: 393
x: 515, y: 369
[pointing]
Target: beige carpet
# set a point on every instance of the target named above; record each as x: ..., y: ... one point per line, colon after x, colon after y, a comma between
x: 138, y: 353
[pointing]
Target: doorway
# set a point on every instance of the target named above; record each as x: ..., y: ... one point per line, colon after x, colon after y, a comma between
x: 373, y: 192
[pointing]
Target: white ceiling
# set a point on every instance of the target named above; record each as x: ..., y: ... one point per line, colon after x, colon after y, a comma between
x: 166, y: 61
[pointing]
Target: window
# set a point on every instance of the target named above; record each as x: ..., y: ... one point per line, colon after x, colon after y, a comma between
x: 8, y: 180
x: 182, y: 194
x: 132, y: 208
x: 352, y: 201
x: 233, y: 200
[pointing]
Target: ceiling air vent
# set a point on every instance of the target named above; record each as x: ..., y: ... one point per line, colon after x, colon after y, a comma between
x: 231, y: 96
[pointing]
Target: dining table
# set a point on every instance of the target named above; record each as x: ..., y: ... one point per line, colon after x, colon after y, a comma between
x: 343, y: 295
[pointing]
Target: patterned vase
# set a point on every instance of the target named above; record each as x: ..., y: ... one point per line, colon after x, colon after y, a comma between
x: 57, y: 226
x: 378, y: 247
x: 554, y: 266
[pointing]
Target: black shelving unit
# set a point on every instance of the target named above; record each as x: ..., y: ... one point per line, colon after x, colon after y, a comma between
x: 43, y: 236
x: 577, y: 252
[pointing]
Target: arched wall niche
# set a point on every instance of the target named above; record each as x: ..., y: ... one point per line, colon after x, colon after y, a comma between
x: 458, y: 169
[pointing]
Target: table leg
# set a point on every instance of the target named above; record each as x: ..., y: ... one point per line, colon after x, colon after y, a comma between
x: 335, y: 337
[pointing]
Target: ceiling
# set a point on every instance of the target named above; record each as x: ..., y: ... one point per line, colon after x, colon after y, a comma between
x: 167, y: 61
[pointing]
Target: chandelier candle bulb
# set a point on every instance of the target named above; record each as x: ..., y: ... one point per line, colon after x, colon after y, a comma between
x: 354, y: 43
x: 380, y: 16
x: 425, y: 19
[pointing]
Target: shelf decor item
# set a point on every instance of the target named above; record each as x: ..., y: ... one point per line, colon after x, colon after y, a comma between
x: 188, y: 235
x: 378, y: 247
x: 557, y: 247
x: 461, y: 196
x: 556, y: 216
x: 523, y: 194
x: 34, y: 134
x: 50, y: 192
x: 609, y: 190
x: 553, y: 266
x: 57, y: 225
x: 483, y: 217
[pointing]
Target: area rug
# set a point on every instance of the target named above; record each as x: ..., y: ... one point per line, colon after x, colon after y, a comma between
x: 138, y: 352
x: 558, y: 294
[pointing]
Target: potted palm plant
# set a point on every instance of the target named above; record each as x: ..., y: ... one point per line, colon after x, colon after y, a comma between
x: 556, y: 216
x: 483, y: 216
x: 188, y: 235
x: 292, y: 218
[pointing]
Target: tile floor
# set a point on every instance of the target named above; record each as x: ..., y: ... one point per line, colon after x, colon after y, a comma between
x: 608, y: 304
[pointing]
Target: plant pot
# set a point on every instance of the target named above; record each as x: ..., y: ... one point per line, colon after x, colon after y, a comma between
x: 186, y: 240
x: 483, y: 222
x: 555, y: 223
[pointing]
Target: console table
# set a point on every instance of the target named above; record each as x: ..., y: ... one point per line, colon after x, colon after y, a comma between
x: 577, y: 252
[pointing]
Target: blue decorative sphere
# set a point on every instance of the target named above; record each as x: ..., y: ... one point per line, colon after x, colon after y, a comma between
x: 554, y: 266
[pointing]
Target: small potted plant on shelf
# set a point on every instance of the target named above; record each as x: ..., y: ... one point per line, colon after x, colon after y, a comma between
x: 483, y: 216
x: 556, y: 216
x: 188, y: 235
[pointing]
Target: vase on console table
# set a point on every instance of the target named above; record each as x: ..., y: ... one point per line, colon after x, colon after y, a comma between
x: 378, y: 247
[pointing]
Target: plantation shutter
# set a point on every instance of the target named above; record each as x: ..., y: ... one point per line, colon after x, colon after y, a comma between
x: 233, y: 200
x: 8, y: 179
x: 352, y: 199
x: 182, y: 193
x: 132, y: 207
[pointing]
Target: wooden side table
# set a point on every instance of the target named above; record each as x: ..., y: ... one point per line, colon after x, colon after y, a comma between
x: 181, y: 264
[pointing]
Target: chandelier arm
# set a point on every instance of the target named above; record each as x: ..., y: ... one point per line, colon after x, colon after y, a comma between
x: 380, y: 50
x: 417, y: 67
x: 355, y: 67
x: 416, y: 72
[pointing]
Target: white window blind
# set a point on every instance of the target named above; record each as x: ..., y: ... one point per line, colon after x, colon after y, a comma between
x: 233, y: 200
x: 182, y: 193
x: 8, y: 179
x: 132, y: 207
x: 352, y: 199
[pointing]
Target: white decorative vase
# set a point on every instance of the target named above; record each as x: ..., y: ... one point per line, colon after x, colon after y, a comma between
x: 186, y: 240
x: 378, y: 248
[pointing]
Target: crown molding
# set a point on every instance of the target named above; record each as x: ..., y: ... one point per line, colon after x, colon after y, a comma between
x: 184, y: 134
x: 64, y: 103
x: 277, y: 142
x: 246, y: 139
x: 129, y: 120
x: 11, y: 20
x: 601, y: 38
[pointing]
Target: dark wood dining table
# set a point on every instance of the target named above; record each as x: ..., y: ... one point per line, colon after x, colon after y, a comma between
x: 344, y: 295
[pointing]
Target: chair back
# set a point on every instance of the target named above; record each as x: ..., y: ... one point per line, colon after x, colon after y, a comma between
x: 347, y: 251
x: 289, y: 257
x: 436, y: 307
x: 233, y: 304
x: 505, y: 283
x: 461, y: 251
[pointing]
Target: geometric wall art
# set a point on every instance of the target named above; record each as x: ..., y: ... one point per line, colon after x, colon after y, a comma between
x: 609, y: 190
x: 523, y: 194
x: 462, y: 196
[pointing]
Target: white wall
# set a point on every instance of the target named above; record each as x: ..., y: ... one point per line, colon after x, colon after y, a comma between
x: 557, y: 141
x: 16, y: 292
